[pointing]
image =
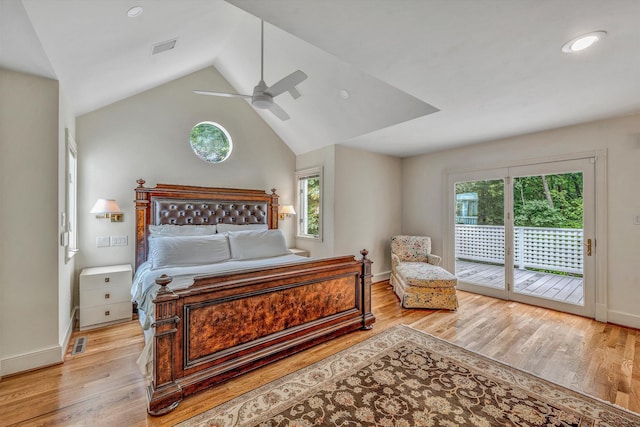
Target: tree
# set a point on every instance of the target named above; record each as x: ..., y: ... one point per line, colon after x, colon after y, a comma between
x: 537, y: 213
x: 490, y: 200
x: 209, y: 142
x: 539, y: 201
x: 313, y: 206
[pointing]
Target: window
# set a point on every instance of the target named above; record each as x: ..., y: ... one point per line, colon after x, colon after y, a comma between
x: 211, y: 142
x: 310, y: 203
x: 69, y: 220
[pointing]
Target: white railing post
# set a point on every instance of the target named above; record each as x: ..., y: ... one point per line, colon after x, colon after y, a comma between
x: 520, y: 246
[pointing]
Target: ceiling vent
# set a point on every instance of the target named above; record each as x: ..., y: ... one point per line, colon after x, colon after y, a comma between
x: 163, y: 47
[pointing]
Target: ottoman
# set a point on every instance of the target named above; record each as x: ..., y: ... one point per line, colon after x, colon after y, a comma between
x: 423, y: 285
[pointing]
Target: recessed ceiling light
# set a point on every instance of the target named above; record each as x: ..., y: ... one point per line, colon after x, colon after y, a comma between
x: 584, y: 41
x: 344, y: 94
x: 134, y: 12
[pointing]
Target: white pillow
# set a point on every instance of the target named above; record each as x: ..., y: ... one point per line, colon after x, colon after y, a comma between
x: 181, y: 230
x: 239, y: 227
x: 178, y: 251
x: 257, y: 244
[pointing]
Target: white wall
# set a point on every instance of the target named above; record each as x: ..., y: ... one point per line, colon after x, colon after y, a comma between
x: 367, y: 205
x: 361, y: 204
x: 29, y: 228
x: 147, y: 136
x: 422, y: 196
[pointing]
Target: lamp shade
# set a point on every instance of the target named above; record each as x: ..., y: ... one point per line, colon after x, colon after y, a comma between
x: 104, y: 206
x: 288, y: 210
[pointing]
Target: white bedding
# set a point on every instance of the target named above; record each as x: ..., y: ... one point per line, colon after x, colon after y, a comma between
x: 144, y: 289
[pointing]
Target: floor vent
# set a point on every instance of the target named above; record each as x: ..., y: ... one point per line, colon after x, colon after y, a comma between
x: 79, y: 345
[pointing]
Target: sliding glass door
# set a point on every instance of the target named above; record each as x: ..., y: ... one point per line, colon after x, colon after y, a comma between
x: 480, y: 232
x: 526, y: 234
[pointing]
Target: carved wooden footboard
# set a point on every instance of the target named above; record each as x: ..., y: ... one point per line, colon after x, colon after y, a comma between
x: 225, y: 325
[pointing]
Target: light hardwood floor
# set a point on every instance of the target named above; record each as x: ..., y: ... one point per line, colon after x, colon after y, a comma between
x: 102, y: 387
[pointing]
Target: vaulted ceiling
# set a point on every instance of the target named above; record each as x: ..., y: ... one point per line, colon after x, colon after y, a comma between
x: 400, y: 77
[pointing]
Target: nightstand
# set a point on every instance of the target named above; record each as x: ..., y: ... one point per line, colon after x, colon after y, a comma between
x: 300, y: 252
x: 105, y: 296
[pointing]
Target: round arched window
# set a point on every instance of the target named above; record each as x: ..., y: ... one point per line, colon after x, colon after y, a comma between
x: 211, y: 142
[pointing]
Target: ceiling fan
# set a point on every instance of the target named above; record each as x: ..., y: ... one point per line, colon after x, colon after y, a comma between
x: 262, y: 94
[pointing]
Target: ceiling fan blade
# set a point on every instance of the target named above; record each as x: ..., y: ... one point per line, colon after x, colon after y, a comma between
x: 287, y: 84
x: 295, y: 93
x: 225, y: 94
x: 279, y: 112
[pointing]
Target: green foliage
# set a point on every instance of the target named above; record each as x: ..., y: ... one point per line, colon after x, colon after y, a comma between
x: 559, y: 207
x: 565, y: 208
x: 210, y: 143
x: 313, y: 206
x: 490, y: 200
x: 537, y: 213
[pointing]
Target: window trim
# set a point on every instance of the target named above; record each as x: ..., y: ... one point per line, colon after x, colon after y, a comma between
x: 304, y: 175
x: 69, y: 222
x: 220, y: 128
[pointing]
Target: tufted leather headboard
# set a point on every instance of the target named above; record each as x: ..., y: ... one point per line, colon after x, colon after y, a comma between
x: 208, y: 212
x: 190, y: 205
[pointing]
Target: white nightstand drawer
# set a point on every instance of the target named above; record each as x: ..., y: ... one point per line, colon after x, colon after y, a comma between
x: 106, y: 295
x: 105, y: 314
x: 102, y: 277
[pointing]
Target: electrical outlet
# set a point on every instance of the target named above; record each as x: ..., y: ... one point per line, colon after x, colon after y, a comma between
x: 102, y: 241
x: 119, y: 240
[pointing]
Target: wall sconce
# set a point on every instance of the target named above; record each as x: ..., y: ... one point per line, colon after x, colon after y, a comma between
x: 107, y: 208
x: 286, y: 211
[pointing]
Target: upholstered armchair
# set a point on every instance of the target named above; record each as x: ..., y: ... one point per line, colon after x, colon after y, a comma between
x: 416, y: 275
x: 413, y: 249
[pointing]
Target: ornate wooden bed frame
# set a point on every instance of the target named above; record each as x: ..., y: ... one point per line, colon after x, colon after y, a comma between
x: 225, y: 325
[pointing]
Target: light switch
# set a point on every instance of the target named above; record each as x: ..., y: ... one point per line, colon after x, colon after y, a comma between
x: 102, y: 241
x: 119, y: 241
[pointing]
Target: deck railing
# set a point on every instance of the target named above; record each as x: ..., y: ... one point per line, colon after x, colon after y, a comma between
x: 558, y: 249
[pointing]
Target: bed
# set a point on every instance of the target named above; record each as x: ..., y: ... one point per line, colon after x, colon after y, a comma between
x: 208, y: 318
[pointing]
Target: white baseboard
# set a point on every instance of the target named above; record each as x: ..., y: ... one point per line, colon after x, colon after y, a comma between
x: 32, y: 360
x: 69, y: 330
x: 623, y: 319
x: 601, y: 313
x: 381, y: 277
x: 39, y: 358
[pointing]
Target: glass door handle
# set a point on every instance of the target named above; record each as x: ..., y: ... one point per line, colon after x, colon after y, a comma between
x: 588, y: 245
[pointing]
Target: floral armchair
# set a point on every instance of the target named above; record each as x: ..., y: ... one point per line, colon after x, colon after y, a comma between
x: 412, y: 249
x: 416, y: 275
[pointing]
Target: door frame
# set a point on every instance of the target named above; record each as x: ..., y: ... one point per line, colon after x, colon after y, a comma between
x: 600, y: 232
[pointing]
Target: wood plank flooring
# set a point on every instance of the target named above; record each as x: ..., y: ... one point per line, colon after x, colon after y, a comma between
x: 102, y: 387
x: 552, y: 286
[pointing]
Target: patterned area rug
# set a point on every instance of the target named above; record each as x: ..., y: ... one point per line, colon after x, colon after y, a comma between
x: 404, y: 377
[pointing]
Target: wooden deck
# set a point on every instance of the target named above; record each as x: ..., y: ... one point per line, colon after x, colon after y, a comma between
x: 551, y: 286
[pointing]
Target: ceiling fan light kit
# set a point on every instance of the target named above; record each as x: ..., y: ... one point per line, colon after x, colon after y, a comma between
x: 263, y: 95
x: 260, y: 99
